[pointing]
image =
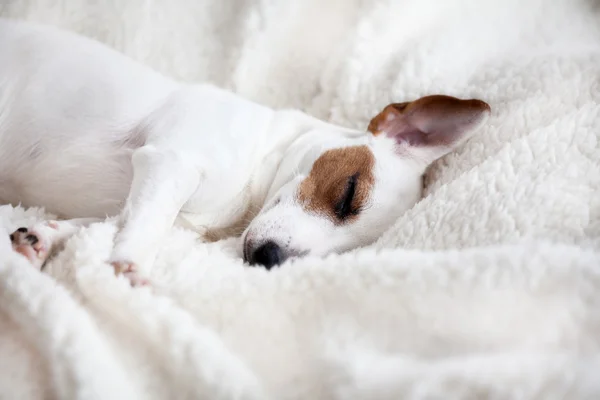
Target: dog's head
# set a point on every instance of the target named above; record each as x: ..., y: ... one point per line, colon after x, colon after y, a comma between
x: 348, y: 191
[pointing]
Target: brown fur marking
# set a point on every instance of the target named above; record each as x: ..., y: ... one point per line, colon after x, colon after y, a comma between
x: 327, y: 181
x: 390, y: 112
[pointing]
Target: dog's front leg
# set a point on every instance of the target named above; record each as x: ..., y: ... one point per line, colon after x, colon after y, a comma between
x: 162, y: 182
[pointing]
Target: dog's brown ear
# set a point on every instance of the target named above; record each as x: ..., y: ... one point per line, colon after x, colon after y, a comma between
x: 436, y: 123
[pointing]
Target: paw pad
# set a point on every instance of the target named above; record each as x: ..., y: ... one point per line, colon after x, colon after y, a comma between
x: 29, y: 244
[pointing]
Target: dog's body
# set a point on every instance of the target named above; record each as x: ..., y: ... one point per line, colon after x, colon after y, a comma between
x: 74, y: 112
x: 86, y: 132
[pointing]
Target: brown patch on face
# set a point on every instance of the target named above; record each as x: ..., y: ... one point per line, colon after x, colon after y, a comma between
x: 339, y: 183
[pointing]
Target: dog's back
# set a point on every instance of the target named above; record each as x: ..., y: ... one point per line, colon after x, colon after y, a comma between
x: 60, y: 96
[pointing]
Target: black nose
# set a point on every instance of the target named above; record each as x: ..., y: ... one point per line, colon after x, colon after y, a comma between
x: 268, y: 255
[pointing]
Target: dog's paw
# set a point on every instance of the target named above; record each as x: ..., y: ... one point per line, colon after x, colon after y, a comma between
x: 33, y: 243
x: 129, y: 270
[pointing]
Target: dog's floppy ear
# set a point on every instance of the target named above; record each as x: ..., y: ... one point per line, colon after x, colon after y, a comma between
x: 431, y: 126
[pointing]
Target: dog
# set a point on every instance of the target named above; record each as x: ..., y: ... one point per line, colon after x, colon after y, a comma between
x: 88, y: 133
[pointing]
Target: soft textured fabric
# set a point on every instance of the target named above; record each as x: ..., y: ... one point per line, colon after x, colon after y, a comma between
x: 489, y: 288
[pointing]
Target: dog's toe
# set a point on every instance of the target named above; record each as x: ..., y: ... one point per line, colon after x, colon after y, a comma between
x: 33, y: 239
x: 122, y: 267
x: 130, y: 271
x: 136, y: 279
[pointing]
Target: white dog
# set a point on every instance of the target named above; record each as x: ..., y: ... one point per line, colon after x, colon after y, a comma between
x: 87, y: 132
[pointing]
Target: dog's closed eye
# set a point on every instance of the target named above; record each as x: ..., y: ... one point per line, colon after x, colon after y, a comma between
x: 339, y: 184
x: 344, y: 207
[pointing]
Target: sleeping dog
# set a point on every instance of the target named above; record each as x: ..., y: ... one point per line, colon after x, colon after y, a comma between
x: 87, y: 132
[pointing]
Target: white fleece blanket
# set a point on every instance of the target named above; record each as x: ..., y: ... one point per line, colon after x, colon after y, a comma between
x: 489, y: 288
